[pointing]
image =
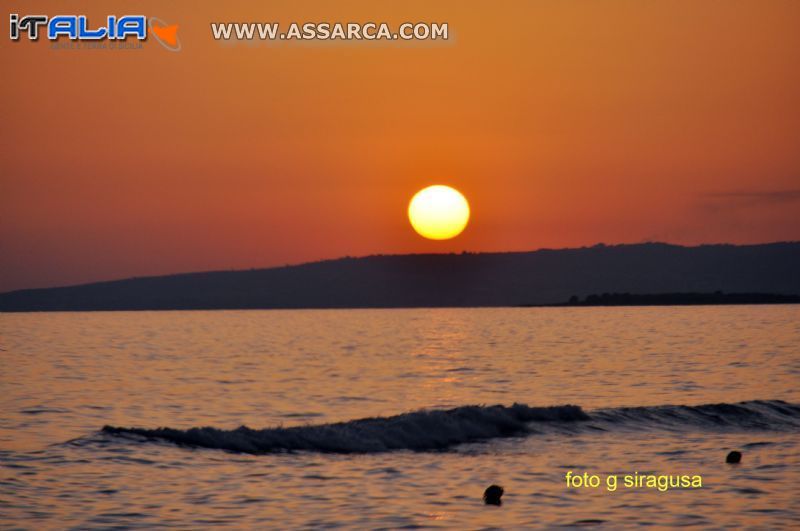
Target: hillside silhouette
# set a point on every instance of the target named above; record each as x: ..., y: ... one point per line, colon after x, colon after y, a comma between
x: 540, y: 277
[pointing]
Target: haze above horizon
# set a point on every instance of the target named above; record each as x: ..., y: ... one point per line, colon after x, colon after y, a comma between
x: 558, y: 129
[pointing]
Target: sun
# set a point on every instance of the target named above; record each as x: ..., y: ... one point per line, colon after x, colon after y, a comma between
x: 438, y: 212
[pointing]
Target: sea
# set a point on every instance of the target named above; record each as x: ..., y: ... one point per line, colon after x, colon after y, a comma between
x: 610, y: 418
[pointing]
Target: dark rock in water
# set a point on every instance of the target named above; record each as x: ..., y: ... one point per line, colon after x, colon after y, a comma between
x: 492, y: 495
x: 734, y: 457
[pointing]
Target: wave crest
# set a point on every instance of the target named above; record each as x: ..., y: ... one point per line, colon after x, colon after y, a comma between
x: 441, y: 429
x: 419, y: 431
x: 751, y: 415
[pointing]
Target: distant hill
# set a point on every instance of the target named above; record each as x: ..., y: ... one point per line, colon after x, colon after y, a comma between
x: 429, y: 280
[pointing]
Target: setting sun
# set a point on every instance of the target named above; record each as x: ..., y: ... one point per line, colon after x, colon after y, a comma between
x: 438, y: 212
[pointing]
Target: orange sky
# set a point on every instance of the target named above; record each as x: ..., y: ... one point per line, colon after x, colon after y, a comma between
x: 565, y: 123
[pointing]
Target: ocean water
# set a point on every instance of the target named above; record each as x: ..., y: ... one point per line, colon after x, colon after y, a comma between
x: 399, y: 418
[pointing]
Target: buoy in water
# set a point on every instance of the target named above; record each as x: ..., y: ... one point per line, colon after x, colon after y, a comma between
x: 734, y: 457
x: 492, y: 495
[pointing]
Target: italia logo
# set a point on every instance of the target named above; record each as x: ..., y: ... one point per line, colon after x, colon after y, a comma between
x: 77, y: 28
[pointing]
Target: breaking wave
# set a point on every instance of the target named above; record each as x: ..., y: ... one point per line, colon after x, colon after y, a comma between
x: 430, y: 430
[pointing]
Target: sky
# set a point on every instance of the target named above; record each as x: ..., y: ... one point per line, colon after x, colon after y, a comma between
x: 564, y: 123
